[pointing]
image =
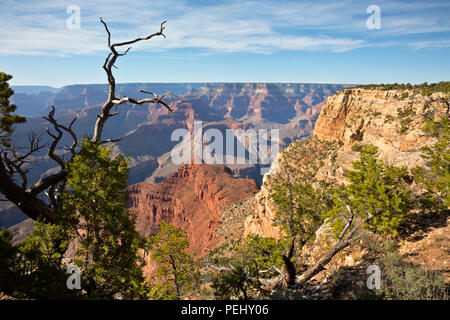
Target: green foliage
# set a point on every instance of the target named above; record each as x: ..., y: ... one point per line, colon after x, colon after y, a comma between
x: 7, y: 251
x: 236, y: 283
x: 405, y: 112
x: 47, y: 243
x: 34, y: 269
x: 299, y: 209
x: 41, y: 256
x: 162, y: 291
x: 376, y: 113
x: 266, y: 253
x: 255, y: 258
x: 423, y: 88
x: 404, y: 125
x: 389, y: 118
x: 405, y: 115
x: 375, y: 190
x: 94, y: 218
x: 95, y: 208
x: 176, y: 267
x: 436, y: 180
x: 406, y: 281
x: 7, y: 119
x: 8, y: 260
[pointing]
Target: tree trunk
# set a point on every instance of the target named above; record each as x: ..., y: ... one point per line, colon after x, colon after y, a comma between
x: 289, y: 266
x: 175, y: 277
x: 32, y: 206
x: 315, y: 269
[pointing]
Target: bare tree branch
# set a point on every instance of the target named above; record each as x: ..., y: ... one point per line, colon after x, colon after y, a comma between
x: 112, y: 100
x: 14, y: 161
x: 110, y: 140
x: 338, y: 246
x: 56, y: 138
x: 14, y: 157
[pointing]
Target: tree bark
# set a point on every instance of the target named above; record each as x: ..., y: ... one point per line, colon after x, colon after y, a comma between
x: 31, y: 205
x: 289, y: 266
x: 316, y: 268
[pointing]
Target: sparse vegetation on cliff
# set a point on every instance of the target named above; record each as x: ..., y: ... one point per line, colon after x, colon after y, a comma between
x: 373, y: 197
x: 241, y: 274
x: 423, y: 88
x: 436, y: 179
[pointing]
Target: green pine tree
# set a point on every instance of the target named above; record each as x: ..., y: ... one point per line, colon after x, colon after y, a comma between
x: 254, y: 259
x: 436, y: 179
x: 177, y: 271
x: 95, y: 209
x: 7, y: 119
x: 377, y: 195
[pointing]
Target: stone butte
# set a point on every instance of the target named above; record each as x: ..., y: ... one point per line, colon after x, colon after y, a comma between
x: 191, y: 199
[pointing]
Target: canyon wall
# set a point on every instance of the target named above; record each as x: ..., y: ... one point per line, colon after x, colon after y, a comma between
x: 146, y: 129
x: 193, y: 199
x: 391, y: 120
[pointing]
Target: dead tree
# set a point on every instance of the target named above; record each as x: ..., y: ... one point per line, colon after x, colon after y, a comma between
x: 39, y: 200
x: 112, y: 101
x: 353, y: 231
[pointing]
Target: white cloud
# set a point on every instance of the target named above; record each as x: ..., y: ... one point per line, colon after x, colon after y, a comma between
x: 39, y: 27
x: 432, y: 44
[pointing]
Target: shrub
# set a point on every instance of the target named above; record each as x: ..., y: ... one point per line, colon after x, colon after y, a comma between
x: 406, y: 281
x: 423, y: 88
x: 401, y: 280
x: 404, y: 125
x: 405, y: 112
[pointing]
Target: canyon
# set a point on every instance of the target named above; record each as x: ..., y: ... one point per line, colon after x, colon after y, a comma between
x: 193, y: 199
x: 218, y: 204
x: 146, y: 130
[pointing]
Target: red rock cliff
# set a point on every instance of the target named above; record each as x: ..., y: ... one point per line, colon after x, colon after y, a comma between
x: 191, y: 199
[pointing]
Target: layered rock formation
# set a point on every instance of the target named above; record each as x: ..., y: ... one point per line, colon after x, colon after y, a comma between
x: 192, y: 199
x: 382, y: 118
x: 146, y: 129
x: 391, y: 120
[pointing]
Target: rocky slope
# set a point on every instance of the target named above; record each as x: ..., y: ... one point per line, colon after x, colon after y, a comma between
x: 391, y: 120
x: 381, y: 118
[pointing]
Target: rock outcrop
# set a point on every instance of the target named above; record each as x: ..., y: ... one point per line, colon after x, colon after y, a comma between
x: 391, y: 120
x: 192, y: 199
x: 382, y: 118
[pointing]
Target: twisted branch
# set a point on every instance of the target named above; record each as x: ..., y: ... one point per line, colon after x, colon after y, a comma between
x: 112, y: 100
x: 13, y: 159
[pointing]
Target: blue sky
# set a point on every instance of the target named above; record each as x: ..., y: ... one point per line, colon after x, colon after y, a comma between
x: 227, y: 41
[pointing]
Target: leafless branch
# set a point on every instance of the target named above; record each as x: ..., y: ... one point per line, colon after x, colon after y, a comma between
x: 56, y: 138
x: 14, y: 159
x: 110, y: 140
x: 112, y: 100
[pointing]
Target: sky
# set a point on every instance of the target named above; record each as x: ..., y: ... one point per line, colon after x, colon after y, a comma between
x: 58, y: 42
